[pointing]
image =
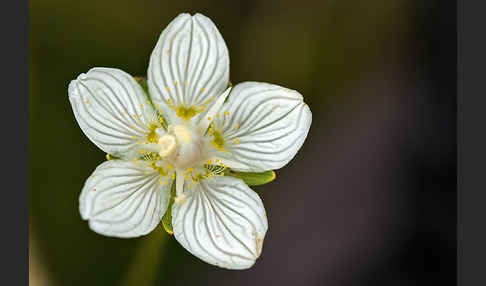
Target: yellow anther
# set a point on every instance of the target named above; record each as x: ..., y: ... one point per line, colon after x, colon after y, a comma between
x: 237, y: 141
x: 217, y: 115
x: 172, y: 176
x: 208, y: 162
x: 142, y: 151
x: 209, y: 118
x: 212, y: 98
x: 141, y: 105
x: 202, y: 89
x: 237, y: 126
x: 185, y: 83
x: 167, y: 88
x: 170, y: 167
x: 208, y: 102
x: 148, y: 102
x: 157, y: 106
x: 226, y: 113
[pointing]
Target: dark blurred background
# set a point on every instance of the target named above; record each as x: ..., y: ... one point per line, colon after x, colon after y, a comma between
x: 370, y: 199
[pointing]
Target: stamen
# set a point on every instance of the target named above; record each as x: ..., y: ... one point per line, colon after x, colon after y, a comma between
x: 203, y: 125
x: 180, y: 199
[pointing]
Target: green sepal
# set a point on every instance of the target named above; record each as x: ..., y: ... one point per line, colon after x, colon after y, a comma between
x: 142, y: 81
x: 167, y: 218
x: 111, y: 157
x: 251, y: 178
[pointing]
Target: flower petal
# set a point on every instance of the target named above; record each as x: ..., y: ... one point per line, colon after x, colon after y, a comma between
x: 263, y: 128
x: 122, y: 199
x: 111, y: 108
x: 222, y: 222
x: 189, y: 65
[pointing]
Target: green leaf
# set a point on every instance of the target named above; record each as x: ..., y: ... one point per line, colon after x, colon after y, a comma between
x: 167, y: 218
x: 143, y: 83
x: 252, y: 179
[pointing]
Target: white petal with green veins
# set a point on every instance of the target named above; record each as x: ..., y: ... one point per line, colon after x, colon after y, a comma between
x: 222, y: 222
x: 111, y: 109
x: 189, y: 67
x: 261, y: 127
x: 122, y: 199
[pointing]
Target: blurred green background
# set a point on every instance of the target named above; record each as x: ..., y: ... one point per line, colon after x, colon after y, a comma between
x: 336, y: 53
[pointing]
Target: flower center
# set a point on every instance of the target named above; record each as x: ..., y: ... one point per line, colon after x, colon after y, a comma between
x: 181, y: 146
x: 182, y: 133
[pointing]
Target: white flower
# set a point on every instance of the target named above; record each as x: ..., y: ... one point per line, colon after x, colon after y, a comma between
x: 190, y: 130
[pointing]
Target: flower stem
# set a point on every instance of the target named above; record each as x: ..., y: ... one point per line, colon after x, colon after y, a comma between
x: 145, y: 264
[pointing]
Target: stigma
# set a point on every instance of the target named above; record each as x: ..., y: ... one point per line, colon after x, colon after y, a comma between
x: 167, y: 144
